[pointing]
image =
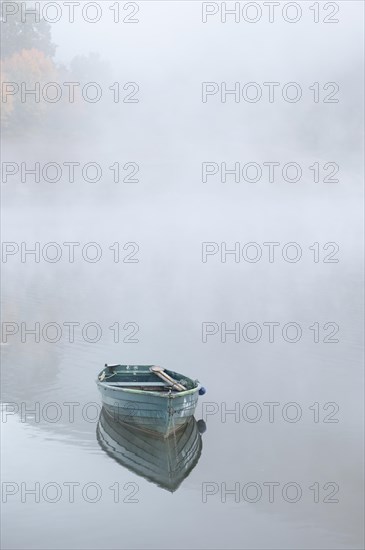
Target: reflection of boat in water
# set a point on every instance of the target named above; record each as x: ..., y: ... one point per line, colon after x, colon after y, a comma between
x: 164, y: 461
x: 147, y: 397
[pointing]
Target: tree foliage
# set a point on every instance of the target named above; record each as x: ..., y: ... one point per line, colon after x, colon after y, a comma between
x: 26, y: 67
x: 18, y: 35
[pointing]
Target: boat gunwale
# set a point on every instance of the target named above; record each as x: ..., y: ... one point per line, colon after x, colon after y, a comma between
x: 165, y: 395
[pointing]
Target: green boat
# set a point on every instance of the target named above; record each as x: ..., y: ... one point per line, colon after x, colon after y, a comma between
x: 148, y: 398
x: 163, y: 461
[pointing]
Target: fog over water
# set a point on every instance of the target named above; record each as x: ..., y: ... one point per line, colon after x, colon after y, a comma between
x: 195, y: 308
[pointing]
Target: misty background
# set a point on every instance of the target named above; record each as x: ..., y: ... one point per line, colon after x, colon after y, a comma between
x: 170, y: 292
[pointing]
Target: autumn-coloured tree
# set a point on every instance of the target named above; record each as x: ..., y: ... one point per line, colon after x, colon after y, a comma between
x: 26, y: 52
x: 7, y: 107
x: 27, y: 64
x: 25, y: 70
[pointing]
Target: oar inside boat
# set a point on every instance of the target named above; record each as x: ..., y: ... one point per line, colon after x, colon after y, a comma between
x: 159, y: 371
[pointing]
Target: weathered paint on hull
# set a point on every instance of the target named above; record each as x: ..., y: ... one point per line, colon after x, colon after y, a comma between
x: 149, y: 411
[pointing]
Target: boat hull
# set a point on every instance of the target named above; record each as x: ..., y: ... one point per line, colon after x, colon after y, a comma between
x: 162, y: 414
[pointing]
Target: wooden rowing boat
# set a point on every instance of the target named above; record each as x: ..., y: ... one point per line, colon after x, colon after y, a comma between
x: 149, y: 398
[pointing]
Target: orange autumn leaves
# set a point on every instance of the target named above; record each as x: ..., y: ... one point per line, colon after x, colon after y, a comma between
x: 22, y: 70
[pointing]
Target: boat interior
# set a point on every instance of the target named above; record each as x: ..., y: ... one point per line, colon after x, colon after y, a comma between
x: 141, y: 378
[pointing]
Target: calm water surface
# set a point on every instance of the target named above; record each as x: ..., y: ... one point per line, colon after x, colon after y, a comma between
x: 169, y: 293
